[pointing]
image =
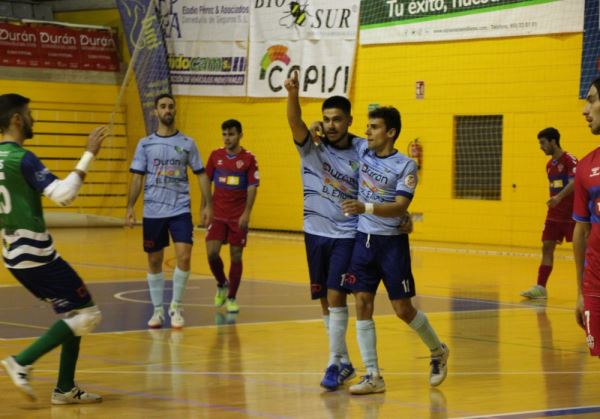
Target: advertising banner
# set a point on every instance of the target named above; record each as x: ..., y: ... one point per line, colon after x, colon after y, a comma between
x: 315, y: 37
x: 207, y: 43
x: 37, y: 44
x: 396, y: 21
x: 143, y: 31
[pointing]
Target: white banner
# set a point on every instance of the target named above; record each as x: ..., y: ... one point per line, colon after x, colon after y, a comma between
x: 397, y: 21
x: 325, y: 67
x: 316, y: 37
x: 304, y: 19
x: 207, y: 42
x: 208, y: 68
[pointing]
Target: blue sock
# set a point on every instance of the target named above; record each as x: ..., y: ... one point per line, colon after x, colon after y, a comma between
x: 156, y: 283
x: 179, y: 280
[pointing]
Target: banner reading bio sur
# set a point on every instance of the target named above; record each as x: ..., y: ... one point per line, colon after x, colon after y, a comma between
x: 315, y: 37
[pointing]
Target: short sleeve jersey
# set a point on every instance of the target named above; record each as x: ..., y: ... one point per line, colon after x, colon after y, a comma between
x: 381, y: 180
x: 164, y: 161
x: 329, y: 176
x: 232, y: 174
x: 23, y: 178
x: 560, y: 171
x: 586, y: 209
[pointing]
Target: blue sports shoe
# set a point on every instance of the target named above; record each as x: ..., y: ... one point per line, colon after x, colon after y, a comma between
x: 331, y: 381
x: 347, y: 372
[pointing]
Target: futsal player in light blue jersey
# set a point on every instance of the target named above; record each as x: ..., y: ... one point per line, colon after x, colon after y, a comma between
x: 387, y: 182
x: 329, y: 176
x: 160, y: 163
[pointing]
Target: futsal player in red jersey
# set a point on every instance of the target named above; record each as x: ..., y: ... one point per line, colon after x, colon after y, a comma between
x: 559, y: 223
x: 586, y: 238
x: 234, y: 173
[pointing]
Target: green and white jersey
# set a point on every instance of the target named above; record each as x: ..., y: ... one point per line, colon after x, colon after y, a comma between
x: 23, y: 178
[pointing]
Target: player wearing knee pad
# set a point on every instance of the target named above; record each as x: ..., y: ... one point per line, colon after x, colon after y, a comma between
x: 84, y: 321
x: 29, y: 253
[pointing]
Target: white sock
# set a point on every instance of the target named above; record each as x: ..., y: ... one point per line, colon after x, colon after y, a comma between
x: 367, y: 343
x: 156, y: 283
x: 179, y: 280
x: 326, y: 323
x: 421, y: 325
x: 338, y: 324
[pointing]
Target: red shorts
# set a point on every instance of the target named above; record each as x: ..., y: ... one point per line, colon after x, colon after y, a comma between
x: 591, y: 318
x: 558, y: 230
x: 227, y: 232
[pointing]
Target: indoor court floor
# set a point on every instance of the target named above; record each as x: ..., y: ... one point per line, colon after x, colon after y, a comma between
x: 509, y: 358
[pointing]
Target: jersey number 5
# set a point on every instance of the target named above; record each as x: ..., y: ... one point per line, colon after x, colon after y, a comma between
x: 5, y: 203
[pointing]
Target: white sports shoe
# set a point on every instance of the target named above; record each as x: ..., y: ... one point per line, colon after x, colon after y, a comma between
x: 75, y: 396
x: 157, y: 319
x: 439, y: 370
x: 537, y: 292
x: 177, y: 320
x: 20, y: 376
x: 368, y: 384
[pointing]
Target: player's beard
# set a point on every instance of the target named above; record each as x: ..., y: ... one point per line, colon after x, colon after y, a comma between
x: 167, y: 120
x: 27, y: 131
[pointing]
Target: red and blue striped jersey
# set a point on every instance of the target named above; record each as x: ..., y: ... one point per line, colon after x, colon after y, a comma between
x: 231, y: 174
x: 560, y: 171
x: 587, y: 210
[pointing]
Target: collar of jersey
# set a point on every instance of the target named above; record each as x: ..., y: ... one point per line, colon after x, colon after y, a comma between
x: 166, y: 136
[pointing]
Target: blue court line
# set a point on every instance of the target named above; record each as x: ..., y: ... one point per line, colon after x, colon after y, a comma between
x: 542, y: 413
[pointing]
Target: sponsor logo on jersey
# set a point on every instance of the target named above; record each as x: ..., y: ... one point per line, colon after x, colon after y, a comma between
x: 410, y: 181
x: 40, y: 176
x: 233, y: 180
x: 595, y: 172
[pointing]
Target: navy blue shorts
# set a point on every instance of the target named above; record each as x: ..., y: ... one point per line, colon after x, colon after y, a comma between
x: 156, y: 231
x: 377, y: 258
x: 328, y: 261
x: 56, y: 283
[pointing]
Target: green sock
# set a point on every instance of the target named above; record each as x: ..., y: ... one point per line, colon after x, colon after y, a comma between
x: 57, y: 334
x: 68, y: 362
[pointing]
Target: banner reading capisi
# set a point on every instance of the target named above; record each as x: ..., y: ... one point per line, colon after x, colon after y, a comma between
x: 207, y: 42
x: 315, y: 37
x: 396, y: 21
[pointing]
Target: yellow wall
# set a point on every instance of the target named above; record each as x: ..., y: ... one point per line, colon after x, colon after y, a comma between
x: 531, y: 81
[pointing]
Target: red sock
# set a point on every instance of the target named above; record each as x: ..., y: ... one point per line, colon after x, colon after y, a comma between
x: 544, y: 274
x: 216, y: 267
x: 235, y: 276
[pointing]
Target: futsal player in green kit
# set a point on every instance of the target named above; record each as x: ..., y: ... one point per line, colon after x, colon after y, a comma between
x: 29, y: 254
